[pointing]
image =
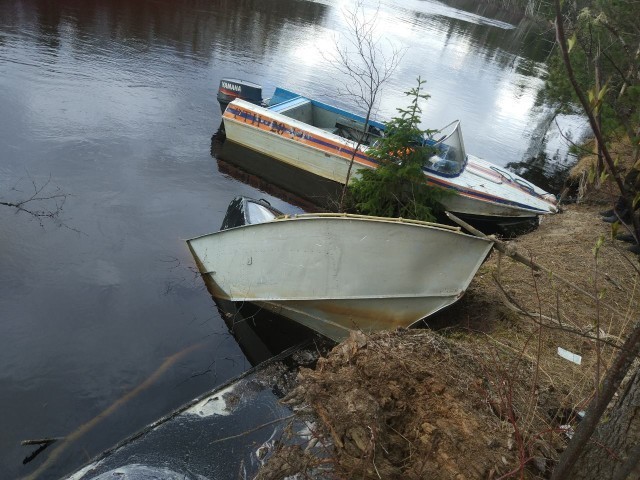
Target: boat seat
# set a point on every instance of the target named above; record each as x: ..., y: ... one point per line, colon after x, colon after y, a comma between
x: 289, y: 105
x: 352, y: 129
x: 344, y: 122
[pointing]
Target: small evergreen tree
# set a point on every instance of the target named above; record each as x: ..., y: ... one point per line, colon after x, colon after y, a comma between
x: 397, y: 188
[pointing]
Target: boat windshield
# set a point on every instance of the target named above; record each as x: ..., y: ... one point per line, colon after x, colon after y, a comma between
x: 257, y: 213
x: 450, y: 157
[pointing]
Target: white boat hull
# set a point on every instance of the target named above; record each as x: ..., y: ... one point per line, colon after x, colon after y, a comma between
x: 289, y: 150
x: 338, y: 273
x: 482, y: 189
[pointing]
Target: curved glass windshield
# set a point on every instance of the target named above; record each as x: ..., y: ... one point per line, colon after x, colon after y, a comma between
x: 450, y: 157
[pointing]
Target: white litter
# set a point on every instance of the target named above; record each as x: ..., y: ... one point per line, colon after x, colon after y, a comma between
x: 567, y: 355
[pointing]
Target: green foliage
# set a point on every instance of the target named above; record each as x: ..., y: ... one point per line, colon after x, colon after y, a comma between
x: 397, y: 188
x: 596, y: 248
x: 601, y: 34
x: 604, y: 53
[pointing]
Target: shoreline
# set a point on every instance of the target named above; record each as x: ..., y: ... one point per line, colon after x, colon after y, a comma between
x: 492, y: 370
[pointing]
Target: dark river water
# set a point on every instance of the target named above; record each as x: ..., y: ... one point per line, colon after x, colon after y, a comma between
x: 112, y: 103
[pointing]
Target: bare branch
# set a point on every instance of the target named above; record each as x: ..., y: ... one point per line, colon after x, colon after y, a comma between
x: 43, y: 201
x: 362, y: 61
x: 615, y: 173
x: 556, y: 324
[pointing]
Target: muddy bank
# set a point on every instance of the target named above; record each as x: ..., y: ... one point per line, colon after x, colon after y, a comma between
x: 486, y: 395
x: 414, y: 404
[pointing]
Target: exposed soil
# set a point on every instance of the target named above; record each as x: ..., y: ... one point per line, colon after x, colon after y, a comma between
x: 487, y: 396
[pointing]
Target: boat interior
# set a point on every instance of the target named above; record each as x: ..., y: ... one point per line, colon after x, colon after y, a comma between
x: 448, y: 159
x: 325, y: 117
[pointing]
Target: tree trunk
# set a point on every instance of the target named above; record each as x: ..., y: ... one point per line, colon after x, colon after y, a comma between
x: 613, y: 452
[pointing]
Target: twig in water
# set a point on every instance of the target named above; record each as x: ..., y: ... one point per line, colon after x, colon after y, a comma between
x: 40, y: 441
x: 259, y: 427
x: 35, y: 453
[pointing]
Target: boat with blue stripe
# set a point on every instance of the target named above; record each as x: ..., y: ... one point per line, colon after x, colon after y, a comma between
x: 321, y: 139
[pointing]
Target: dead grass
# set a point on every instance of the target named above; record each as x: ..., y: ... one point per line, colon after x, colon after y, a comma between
x: 566, y: 245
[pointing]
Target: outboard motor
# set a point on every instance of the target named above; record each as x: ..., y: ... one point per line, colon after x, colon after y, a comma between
x: 230, y: 89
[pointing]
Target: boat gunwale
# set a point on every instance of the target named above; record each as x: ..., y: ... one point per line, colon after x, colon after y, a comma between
x: 274, y: 299
x: 368, y: 217
x: 361, y: 158
x: 293, y: 123
x: 301, y: 217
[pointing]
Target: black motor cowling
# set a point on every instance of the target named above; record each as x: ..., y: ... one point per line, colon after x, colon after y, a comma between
x: 230, y: 89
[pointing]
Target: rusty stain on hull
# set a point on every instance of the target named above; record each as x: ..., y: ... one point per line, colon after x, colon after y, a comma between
x: 335, y: 318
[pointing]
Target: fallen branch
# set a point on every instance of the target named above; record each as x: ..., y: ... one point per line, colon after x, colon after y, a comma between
x: 511, y: 252
x: 555, y: 324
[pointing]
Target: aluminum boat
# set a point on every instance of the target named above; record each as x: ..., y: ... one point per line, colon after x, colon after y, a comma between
x: 337, y: 272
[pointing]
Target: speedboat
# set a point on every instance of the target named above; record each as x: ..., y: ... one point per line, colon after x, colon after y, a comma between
x: 334, y: 273
x: 322, y: 139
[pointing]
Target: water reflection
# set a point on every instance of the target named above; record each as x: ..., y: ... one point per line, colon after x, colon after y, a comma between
x: 547, y: 161
x: 286, y: 182
x: 195, y: 28
x: 546, y: 171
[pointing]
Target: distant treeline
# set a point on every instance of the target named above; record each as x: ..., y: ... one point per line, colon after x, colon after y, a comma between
x: 534, y: 9
x: 530, y: 8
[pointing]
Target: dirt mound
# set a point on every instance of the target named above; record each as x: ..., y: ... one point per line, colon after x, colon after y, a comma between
x: 412, y: 404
